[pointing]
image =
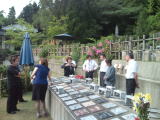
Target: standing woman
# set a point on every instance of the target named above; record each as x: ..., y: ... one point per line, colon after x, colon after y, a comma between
x: 68, y: 67
x: 109, y: 77
x: 13, y: 75
x: 40, y: 83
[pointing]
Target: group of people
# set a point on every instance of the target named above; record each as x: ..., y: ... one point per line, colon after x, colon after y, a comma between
x: 40, y: 84
x: 107, y: 71
x: 41, y: 72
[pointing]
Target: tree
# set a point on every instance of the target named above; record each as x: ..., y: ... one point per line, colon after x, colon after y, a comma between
x: 28, y: 12
x: 2, y: 19
x: 11, y: 19
x: 82, y: 20
x: 44, y: 15
x: 57, y: 26
x: 16, y: 35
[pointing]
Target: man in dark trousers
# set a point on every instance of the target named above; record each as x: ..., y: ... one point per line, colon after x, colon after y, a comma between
x: 20, y: 92
x: 103, y: 69
x: 89, y: 66
x: 131, y: 74
x: 13, y: 75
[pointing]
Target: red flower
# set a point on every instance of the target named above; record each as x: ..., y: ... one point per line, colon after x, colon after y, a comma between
x: 79, y: 77
x: 136, y: 118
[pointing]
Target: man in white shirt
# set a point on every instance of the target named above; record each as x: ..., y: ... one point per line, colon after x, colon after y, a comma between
x: 131, y: 75
x: 103, y: 69
x: 89, y: 67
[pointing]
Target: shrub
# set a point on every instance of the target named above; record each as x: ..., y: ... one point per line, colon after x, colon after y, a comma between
x: 45, y: 51
x: 76, y: 53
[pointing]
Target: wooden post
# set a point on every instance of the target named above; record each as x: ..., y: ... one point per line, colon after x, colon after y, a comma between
x: 144, y: 42
x: 119, y: 50
x: 153, y: 41
x: 110, y: 46
x: 138, y: 46
x: 130, y: 43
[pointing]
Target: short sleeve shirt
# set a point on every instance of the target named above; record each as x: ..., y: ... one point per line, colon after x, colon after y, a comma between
x: 41, y: 74
x: 131, y: 69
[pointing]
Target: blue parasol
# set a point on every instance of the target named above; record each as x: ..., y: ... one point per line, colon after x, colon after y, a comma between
x: 26, y: 55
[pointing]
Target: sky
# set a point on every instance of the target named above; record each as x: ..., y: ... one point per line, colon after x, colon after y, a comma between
x: 18, y: 5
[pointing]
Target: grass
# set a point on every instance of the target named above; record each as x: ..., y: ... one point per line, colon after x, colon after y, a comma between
x: 27, y: 112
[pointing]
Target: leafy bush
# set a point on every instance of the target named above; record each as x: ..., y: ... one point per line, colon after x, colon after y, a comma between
x: 45, y: 51
x: 3, y: 83
x: 76, y: 53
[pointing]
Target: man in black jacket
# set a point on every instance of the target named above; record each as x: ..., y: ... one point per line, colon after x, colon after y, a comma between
x: 13, y: 75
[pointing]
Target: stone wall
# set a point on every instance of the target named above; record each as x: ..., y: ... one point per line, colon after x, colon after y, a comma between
x: 149, y: 80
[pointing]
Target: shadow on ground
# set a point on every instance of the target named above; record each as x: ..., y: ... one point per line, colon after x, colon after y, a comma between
x: 27, y: 110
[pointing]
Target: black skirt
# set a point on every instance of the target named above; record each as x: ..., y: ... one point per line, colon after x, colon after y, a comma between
x: 39, y: 92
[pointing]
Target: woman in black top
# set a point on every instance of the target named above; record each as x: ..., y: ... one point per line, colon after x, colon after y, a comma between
x: 13, y: 75
x: 68, y: 67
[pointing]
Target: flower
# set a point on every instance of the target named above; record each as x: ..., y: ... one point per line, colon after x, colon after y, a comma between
x: 148, y: 97
x: 89, y: 53
x: 99, y: 51
x: 108, y: 42
x: 141, y: 104
x: 100, y: 44
x: 136, y: 118
x: 94, y: 48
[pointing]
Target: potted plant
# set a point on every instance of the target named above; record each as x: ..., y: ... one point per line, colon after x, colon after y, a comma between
x: 141, y: 104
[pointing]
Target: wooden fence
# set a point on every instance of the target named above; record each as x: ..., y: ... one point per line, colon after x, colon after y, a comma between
x: 63, y: 50
x: 137, y: 45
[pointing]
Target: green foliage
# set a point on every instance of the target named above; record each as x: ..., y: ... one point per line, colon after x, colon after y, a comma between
x: 57, y: 26
x: 11, y: 16
x: 16, y: 36
x: 142, y: 23
x: 28, y: 12
x: 76, y: 53
x: 2, y: 19
x: 45, y: 51
x: 3, y: 70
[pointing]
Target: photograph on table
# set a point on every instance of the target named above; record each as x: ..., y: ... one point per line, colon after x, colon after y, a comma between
x: 87, y: 93
x: 81, y: 112
x: 71, y: 102
x: 118, y: 110
x: 75, y: 107
x: 130, y: 116
x: 66, y: 98
x: 89, y: 103
x: 109, y: 105
x: 94, y: 96
x: 63, y: 95
x: 100, y: 100
x: 95, y: 108
x: 90, y: 117
x: 103, y: 115
x: 76, y: 96
x: 83, y: 99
